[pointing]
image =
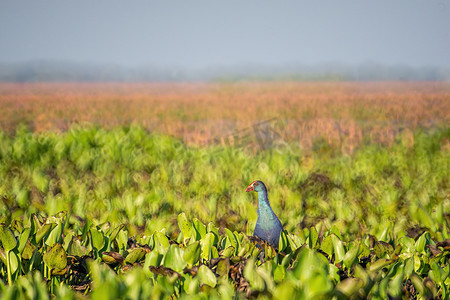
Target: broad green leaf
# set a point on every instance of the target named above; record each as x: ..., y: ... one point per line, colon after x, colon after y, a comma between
x: 409, y: 266
x: 336, y: 231
x: 206, y: 244
x: 28, y: 250
x: 161, y: 242
x: 7, y: 238
x: 351, y: 257
x: 112, y: 258
x: 408, y: 244
x: 43, y: 231
x: 54, y: 235
x: 286, y: 290
x: 206, y: 276
x: 327, y: 245
x: 185, y: 226
x: 135, y: 255
x: 68, y: 240
x: 381, y: 263
x: 23, y: 239
x: 191, y: 285
x: 14, y: 261
x: 229, y: 251
x: 174, y: 259
x: 115, y: 232
x: 313, y: 237
x: 350, y: 286
x: 192, y: 253
x: 200, y: 228
x: 76, y: 248
x: 295, y: 241
x: 231, y: 238
x: 56, y: 257
x: 395, y: 282
x: 282, y: 245
x: 223, y: 268
x: 422, y: 241
x: 257, y: 283
x: 382, y: 248
x: 279, y: 273
x: 338, y: 247
x: 212, y: 228
x: 97, y: 238
x: 153, y: 259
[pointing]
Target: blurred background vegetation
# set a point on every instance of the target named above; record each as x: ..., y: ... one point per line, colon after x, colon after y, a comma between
x: 346, y: 154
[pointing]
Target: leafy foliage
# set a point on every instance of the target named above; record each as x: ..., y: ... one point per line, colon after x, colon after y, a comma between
x: 202, y: 264
x: 145, y: 215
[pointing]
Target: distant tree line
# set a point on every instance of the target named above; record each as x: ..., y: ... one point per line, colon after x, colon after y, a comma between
x: 50, y: 71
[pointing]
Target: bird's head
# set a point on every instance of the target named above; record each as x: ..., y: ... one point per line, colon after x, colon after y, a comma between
x: 257, y: 186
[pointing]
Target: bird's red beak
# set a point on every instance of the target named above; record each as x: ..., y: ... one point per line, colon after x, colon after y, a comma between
x: 249, y: 188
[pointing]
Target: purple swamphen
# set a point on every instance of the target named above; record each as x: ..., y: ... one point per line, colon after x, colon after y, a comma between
x: 268, y: 226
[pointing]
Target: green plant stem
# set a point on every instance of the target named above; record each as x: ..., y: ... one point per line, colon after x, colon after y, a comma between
x: 8, y: 266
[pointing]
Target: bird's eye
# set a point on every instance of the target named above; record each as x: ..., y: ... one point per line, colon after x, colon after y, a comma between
x: 256, y: 184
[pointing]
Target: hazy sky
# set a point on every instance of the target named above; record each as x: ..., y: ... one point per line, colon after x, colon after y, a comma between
x: 203, y: 33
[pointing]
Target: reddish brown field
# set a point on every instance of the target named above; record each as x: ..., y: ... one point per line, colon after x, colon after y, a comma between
x: 341, y: 113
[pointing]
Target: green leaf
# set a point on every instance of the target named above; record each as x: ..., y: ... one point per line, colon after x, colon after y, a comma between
x: 279, y: 273
x: 7, y: 238
x: 338, y: 247
x: 42, y: 232
x: 409, y: 266
x: 351, y: 257
x: 206, y: 276
x: 350, y: 286
x: 112, y: 258
x: 313, y: 237
x: 382, y: 248
x: 54, y: 235
x: 56, y: 258
x: 422, y: 241
x: 395, y: 282
x: 295, y: 241
x: 223, y: 268
x: 212, y: 228
x: 192, y: 253
x: 257, y: 283
x: 23, y: 239
x: 153, y: 259
x: 229, y: 251
x: 381, y: 263
x: 286, y: 290
x: 336, y: 231
x: 76, y: 248
x: 28, y: 250
x: 206, y: 244
x: 327, y: 245
x: 174, y: 259
x: 135, y: 255
x: 14, y: 261
x: 200, y: 228
x: 115, y: 232
x: 283, y: 241
x: 407, y: 244
x: 185, y: 226
x: 191, y: 285
x: 161, y: 242
x: 97, y: 238
x: 231, y: 238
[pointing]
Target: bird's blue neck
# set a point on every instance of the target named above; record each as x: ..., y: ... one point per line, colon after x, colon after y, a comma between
x: 265, y: 212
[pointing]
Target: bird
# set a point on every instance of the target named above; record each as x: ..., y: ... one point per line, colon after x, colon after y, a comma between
x: 268, y: 226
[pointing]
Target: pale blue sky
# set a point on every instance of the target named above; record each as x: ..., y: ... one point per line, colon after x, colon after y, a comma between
x: 205, y: 33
